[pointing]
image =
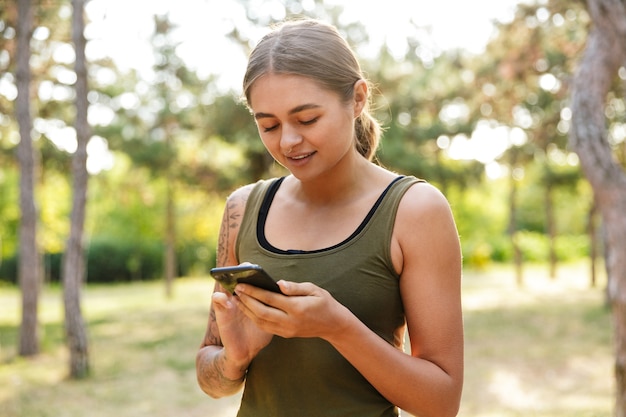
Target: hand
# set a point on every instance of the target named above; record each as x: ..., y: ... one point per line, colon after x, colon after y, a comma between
x: 241, y: 338
x: 305, y: 310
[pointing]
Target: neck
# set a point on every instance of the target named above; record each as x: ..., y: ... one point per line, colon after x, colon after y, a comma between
x: 335, y: 187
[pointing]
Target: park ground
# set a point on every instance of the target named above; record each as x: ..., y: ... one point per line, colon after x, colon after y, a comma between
x: 543, y: 350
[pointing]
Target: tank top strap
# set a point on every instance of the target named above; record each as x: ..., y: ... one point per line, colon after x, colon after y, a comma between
x: 388, y: 208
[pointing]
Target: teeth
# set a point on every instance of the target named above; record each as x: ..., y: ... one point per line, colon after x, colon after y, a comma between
x: 300, y: 157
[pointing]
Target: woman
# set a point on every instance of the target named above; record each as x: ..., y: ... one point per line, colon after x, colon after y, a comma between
x: 361, y: 254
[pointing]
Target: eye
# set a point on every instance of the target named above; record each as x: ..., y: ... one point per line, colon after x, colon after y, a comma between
x: 309, y: 122
x: 269, y: 129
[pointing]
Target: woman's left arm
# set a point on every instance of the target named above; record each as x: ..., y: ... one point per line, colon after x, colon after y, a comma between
x: 427, y: 253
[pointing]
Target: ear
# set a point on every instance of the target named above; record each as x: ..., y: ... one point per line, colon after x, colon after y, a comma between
x: 360, y: 97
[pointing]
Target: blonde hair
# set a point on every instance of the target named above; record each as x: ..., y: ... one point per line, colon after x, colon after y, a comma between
x: 316, y: 50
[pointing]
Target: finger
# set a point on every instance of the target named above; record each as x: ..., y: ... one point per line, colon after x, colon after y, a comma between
x: 253, y: 298
x: 221, y: 299
x: 297, y: 288
x: 259, y: 305
x: 266, y: 297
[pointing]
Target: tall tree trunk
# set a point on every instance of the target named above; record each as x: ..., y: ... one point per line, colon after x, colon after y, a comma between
x: 73, y: 262
x: 170, y: 237
x: 517, y: 251
x: 604, y: 54
x: 551, y: 231
x: 593, y: 244
x: 28, y: 266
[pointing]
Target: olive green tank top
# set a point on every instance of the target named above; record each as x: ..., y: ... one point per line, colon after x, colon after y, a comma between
x: 307, y: 377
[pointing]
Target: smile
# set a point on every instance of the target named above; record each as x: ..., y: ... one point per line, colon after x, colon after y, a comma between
x: 299, y: 157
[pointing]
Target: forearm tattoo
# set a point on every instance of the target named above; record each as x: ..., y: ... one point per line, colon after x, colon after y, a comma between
x: 213, y: 335
x: 211, y: 375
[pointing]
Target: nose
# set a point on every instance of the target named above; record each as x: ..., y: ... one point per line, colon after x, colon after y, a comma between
x: 289, y: 139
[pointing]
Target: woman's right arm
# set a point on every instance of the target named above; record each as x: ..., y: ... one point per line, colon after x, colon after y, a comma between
x: 219, y: 371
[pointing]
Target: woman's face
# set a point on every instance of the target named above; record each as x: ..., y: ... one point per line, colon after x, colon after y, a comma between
x: 306, y: 128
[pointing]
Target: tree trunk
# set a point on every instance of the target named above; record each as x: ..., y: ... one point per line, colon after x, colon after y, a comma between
x: 73, y: 262
x: 28, y: 267
x: 551, y: 231
x: 593, y: 244
x: 604, y: 54
x: 517, y: 251
x: 170, y: 237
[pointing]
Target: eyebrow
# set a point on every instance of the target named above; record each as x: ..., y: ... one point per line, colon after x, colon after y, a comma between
x: 297, y: 109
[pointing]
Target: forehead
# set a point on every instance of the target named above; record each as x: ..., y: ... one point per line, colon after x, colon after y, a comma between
x: 286, y: 90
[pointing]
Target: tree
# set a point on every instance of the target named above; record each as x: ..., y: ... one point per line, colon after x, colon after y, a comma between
x: 73, y: 262
x: 604, y: 55
x: 28, y: 254
x: 524, y: 78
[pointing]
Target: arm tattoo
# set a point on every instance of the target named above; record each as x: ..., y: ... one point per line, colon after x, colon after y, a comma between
x: 210, y: 368
x: 222, y: 244
x: 231, y: 221
x: 213, y: 334
x: 212, y: 371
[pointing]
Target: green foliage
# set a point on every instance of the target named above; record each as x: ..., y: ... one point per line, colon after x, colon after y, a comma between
x: 196, y: 258
x: 115, y: 260
x: 570, y: 248
x: 534, y: 246
x: 481, y: 218
x: 51, y: 268
x: 9, y: 212
x: 8, y: 270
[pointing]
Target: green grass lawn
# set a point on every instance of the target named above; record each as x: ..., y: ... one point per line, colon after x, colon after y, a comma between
x: 544, y: 350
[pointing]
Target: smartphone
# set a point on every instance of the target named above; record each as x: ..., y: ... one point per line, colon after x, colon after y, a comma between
x: 230, y: 276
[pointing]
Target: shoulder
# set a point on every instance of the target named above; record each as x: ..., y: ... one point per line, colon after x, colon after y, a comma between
x: 236, y: 207
x: 238, y: 198
x: 425, y: 214
x: 421, y: 200
x: 424, y: 226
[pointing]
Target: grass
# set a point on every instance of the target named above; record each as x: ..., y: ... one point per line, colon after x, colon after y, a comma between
x: 544, y: 350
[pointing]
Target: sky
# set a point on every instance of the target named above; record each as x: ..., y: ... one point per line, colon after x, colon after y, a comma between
x: 121, y: 28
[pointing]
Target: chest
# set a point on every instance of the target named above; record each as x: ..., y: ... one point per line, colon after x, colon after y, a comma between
x: 293, y: 226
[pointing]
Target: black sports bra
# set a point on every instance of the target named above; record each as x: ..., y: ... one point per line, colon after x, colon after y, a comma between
x: 267, y: 202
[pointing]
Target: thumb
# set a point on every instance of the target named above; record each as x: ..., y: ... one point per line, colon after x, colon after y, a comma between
x: 296, y: 288
x: 221, y: 300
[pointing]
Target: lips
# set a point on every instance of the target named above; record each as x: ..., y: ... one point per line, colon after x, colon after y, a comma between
x: 301, y: 157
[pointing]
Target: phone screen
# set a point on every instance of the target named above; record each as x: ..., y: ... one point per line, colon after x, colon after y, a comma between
x: 230, y: 276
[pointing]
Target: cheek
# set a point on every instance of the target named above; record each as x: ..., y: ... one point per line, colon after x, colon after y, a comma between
x: 266, y: 142
x: 270, y: 144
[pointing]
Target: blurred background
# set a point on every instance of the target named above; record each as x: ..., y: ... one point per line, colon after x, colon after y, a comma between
x: 474, y: 98
x: 484, y: 118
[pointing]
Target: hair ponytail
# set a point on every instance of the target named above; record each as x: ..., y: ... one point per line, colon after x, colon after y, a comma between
x: 368, y: 131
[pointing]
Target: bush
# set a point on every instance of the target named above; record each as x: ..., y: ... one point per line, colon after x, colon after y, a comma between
x: 115, y: 260
x: 195, y: 258
x: 534, y: 245
x: 572, y: 247
x: 8, y: 270
x: 51, y: 268
x: 478, y: 252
